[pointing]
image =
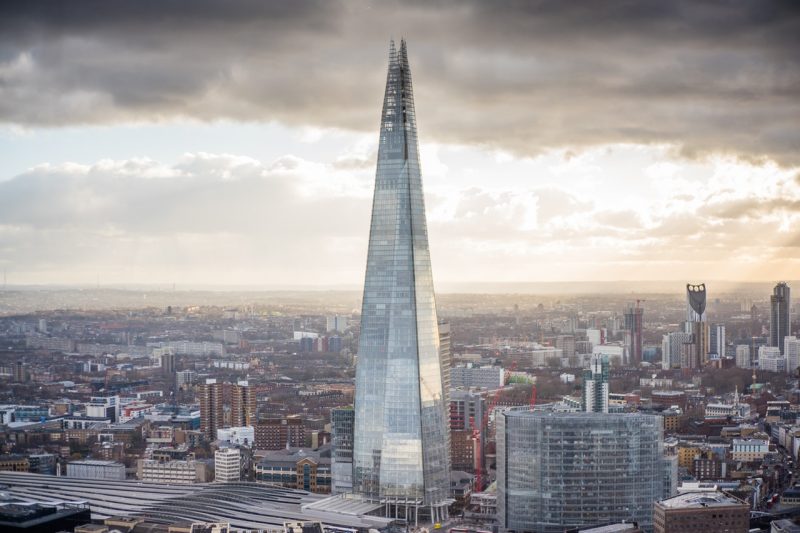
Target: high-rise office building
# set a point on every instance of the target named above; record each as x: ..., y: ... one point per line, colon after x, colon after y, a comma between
x: 243, y: 405
x: 791, y: 350
x: 20, y: 372
x: 700, y: 333
x: 210, y: 408
x: 446, y: 363
x: 634, y: 329
x: 445, y: 356
x: 671, y: 349
x: 780, y: 315
x: 717, y: 340
x: 185, y: 378
x: 400, y: 454
x: 557, y: 471
x: 595, y: 385
x: 336, y: 323
x: 566, y: 343
x: 342, y: 450
x: 168, y: 363
x: 689, y: 355
x: 743, y: 356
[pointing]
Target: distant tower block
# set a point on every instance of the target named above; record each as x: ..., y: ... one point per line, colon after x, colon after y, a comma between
x: 696, y: 303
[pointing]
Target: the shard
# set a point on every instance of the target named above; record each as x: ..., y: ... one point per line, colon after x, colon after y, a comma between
x: 400, y: 455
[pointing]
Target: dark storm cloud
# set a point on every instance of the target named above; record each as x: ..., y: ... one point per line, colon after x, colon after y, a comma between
x: 519, y: 76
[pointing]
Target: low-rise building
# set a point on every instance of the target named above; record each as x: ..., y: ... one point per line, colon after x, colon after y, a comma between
x: 297, y: 468
x: 749, y: 450
x: 790, y: 498
x: 14, y: 463
x: 482, y: 377
x: 725, y: 410
x: 701, y: 511
x: 279, y: 433
x: 771, y: 359
x: 42, y: 463
x: 175, y: 472
x: 94, y: 469
x: 672, y: 419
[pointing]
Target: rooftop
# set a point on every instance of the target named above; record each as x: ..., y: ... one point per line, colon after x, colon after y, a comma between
x: 95, y: 462
x: 698, y: 500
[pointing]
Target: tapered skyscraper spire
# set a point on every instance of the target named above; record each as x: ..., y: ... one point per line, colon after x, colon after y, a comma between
x: 400, y: 438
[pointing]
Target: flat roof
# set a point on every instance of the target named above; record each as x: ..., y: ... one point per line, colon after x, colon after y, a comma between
x: 95, y: 462
x: 699, y: 500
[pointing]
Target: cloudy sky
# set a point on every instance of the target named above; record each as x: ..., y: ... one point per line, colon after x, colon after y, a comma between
x: 234, y: 143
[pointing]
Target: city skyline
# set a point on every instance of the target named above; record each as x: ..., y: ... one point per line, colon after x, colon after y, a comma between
x: 216, y: 146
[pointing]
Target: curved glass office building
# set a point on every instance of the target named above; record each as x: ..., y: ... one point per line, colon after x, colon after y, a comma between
x: 400, y: 453
x: 561, y: 470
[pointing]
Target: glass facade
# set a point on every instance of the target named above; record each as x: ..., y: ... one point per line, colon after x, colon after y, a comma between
x: 561, y: 470
x: 400, y: 436
x: 780, y: 320
x: 342, y: 449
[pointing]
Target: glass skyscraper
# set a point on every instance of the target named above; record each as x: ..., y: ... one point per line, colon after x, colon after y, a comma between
x: 557, y: 471
x: 400, y: 453
x: 780, y: 315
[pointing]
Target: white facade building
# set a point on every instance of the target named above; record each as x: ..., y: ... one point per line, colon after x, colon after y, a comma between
x: 241, y: 436
x: 743, y: 356
x: 596, y: 336
x: 791, y: 349
x: 612, y: 351
x: 486, y: 377
x: 748, y: 450
x: 230, y: 364
x: 227, y: 465
x: 595, y: 385
x: 717, y: 340
x: 543, y: 354
x: 771, y: 359
x: 336, y: 323
x: 723, y: 410
x: 103, y: 407
x: 192, y: 348
x: 178, y: 472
